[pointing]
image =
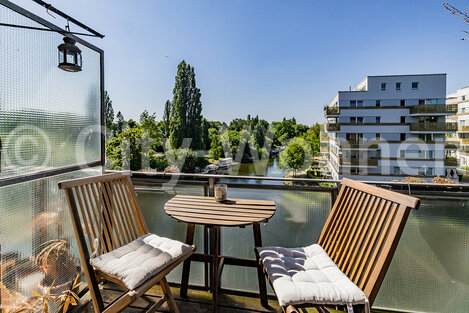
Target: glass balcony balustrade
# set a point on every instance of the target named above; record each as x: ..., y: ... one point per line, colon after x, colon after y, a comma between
x: 444, y: 109
x: 430, y: 261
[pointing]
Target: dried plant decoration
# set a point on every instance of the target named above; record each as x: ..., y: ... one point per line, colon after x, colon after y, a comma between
x: 46, y: 297
x: 69, y: 297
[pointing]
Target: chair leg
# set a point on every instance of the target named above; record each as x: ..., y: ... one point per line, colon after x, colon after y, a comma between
x: 169, y: 295
x: 291, y: 309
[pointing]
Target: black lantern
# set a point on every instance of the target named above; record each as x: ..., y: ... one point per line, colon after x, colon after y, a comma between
x: 69, y: 56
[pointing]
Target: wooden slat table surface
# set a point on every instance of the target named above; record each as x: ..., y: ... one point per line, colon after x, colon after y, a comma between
x: 206, y: 211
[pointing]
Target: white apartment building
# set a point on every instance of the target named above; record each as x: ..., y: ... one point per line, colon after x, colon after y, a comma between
x: 461, y: 99
x: 390, y: 127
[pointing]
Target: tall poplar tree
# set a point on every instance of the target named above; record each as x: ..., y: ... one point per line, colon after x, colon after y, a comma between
x: 186, y: 109
x: 166, y: 117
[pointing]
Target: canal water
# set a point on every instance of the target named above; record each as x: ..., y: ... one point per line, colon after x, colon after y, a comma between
x: 267, y: 167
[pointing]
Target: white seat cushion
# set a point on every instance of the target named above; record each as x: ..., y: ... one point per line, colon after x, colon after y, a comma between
x: 141, y: 259
x: 308, y: 275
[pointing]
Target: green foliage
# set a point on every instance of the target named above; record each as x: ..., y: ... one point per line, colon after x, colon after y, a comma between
x: 184, y: 159
x: 312, y: 136
x: 120, y: 122
x: 166, y: 118
x: 230, y: 140
x: 132, y: 148
x: 297, y: 156
x: 283, y: 131
x: 216, y: 148
x: 186, y: 109
x: 108, y: 112
x: 259, y: 136
x: 158, y: 163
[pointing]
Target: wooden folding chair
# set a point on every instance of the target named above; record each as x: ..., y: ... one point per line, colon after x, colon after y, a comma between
x: 358, y: 242
x: 109, y: 223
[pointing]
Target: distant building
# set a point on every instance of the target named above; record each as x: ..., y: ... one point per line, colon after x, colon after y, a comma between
x: 461, y: 99
x: 390, y: 127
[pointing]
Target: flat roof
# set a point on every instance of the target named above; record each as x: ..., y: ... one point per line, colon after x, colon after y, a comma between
x: 400, y: 75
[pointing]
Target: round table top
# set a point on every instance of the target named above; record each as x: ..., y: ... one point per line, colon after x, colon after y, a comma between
x: 207, y: 211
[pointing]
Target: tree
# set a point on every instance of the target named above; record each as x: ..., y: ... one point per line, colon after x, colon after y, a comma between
x: 120, y: 122
x: 108, y: 111
x: 216, y: 148
x: 166, y: 116
x: 283, y: 131
x: 296, y: 156
x: 186, y: 109
x: 259, y: 136
x: 205, y: 135
x: 194, y: 114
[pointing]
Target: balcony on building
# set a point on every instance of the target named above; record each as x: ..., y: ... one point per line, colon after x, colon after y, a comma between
x: 433, y: 109
x: 332, y: 127
x: 433, y: 127
x: 331, y: 111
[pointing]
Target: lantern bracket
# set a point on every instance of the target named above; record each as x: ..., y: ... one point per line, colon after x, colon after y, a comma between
x: 49, y: 7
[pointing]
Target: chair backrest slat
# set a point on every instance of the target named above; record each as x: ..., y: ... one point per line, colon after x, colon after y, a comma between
x: 128, y: 216
x: 334, y: 217
x: 107, y: 207
x: 363, y: 230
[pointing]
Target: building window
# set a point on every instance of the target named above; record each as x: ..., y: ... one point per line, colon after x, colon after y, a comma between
x: 402, y: 119
x: 402, y: 103
x: 398, y: 86
x: 426, y: 137
x: 463, y: 98
x: 378, y: 119
x: 426, y: 171
x: 403, y: 137
x: 415, y: 86
x: 360, y: 120
x: 396, y: 170
x: 360, y: 104
x: 353, y: 120
x: 431, y: 101
x: 353, y: 103
x: 383, y: 86
x: 378, y: 103
x: 463, y: 110
x: 378, y: 136
x: 354, y: 170
x: 430, y: 154
x: 402, y: 154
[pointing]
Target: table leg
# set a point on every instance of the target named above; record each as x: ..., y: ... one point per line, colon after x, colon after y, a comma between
x: 260, y: 274
x: 187, y: 263
x: 206, y: 264
x: 215, y: 251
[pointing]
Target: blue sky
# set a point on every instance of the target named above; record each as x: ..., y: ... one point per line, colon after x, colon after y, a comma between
x: 272, y: 58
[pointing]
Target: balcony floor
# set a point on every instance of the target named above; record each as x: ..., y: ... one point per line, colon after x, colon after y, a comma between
x: 196, y: 302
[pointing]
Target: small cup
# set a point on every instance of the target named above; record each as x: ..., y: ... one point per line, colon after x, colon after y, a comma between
x: 220, y: 192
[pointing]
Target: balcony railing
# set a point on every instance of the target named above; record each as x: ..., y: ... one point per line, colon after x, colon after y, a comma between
x: 451, y: 162
x: 358, y: 161
x: 358, y: 144
x: 464, y: 141
x: 428, y: 127
x: 331, y: 110
x: 434, y: 238
x: 451, y: 145
x: 434, y: 109
x: 463, y: 128
x: 332, y: 127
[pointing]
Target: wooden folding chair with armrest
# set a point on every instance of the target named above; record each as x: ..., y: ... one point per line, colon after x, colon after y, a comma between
x: 348, y: 264
x: 108, y: 221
